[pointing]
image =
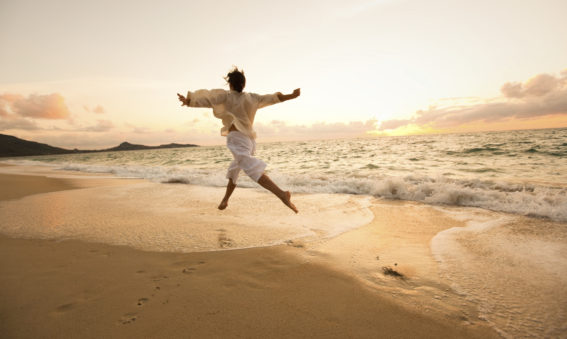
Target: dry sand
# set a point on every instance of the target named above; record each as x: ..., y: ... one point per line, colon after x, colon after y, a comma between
x: 330, y: 288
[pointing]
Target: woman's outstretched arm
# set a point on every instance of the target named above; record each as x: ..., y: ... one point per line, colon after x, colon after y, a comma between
x: 184, y: 101
x: 285, y: 97
x: 203, y: 98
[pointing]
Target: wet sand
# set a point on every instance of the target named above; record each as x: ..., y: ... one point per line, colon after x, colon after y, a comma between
x: 18, y: 186
x: 308, y: 287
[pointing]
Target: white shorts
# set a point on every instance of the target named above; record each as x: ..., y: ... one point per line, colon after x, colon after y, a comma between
x: 243, y: 148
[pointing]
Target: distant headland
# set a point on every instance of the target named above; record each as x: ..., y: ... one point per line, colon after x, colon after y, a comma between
x: 11, y: 146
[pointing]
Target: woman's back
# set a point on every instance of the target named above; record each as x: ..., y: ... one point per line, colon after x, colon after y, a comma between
x: 232, y: 107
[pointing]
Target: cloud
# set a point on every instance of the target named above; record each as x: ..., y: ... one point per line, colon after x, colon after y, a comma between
x: 394, y: 123
x: 138, y: 129
x: 17, y: 123
x: 537, y: 86
x: 279, y: 130
x: 49, y: 106
x: 544, y: 94
x: 99, y: 110
x: 101, y: 126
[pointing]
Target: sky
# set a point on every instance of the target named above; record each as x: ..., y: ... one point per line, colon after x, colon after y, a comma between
x: 92, y: 74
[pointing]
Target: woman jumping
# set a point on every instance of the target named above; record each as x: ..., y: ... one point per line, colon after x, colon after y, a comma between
x: 237, y: 110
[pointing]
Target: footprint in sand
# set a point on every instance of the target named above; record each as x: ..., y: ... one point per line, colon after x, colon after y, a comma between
x: 157, y: 278
x: 223, y: 240
x: 294, y: 244
x: 65, y: 307
x: 189, y: 270
x: 128, y: 318
x: 142, y: 301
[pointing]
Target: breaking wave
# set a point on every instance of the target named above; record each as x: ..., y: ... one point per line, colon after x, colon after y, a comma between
x: 525, y: 199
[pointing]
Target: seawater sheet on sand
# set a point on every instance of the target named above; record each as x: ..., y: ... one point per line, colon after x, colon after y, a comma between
x: 513, y: 267
x: 179, y: 218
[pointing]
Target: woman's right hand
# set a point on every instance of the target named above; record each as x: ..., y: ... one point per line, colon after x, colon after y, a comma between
x: 184, y: 101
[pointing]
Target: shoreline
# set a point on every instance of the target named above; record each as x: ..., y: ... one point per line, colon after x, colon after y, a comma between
x: 309, y: 287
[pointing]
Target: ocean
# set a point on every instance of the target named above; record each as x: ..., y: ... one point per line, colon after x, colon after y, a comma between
x: 520, y: 172
x: 510, y: 188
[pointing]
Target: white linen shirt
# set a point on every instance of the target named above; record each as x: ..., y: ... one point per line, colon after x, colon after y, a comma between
x: 232, y: 107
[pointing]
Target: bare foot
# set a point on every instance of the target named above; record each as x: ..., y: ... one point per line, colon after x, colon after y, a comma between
x: 223, y: 205
x: 287, y: 200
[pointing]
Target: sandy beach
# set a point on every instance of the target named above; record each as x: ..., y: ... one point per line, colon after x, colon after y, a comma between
x: 306, y: 284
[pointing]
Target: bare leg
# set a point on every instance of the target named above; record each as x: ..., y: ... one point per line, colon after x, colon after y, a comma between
x: 285, y: 197
x: 229, y: 189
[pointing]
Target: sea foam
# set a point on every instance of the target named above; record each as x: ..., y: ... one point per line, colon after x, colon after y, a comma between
x: 525, y: 199
x: 528, y: 199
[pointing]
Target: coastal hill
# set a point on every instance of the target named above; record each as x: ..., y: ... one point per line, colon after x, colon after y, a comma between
x: 11, y: 146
